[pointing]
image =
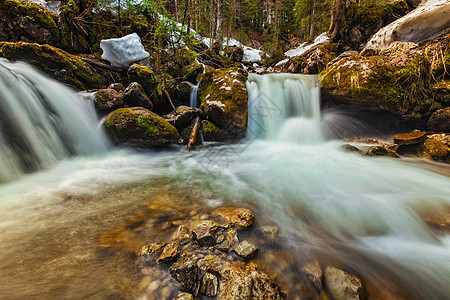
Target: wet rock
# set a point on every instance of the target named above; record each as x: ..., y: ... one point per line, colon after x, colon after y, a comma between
x: 184, y: 296
x: 152, y: 248
x: 227, y: 240
x: 182, y: 234
x: 138, y: 125
x: 182, y: 116
x: 314, y: 273
x: 223, y: 96
x: 350, y: 148
x: 116, y: 86
x: 185, y: 271
x: 440, y: 120
x: 430, y: 149
x: 246, y: 281
x: 343, y: 286
x: 107, y: 100
x: 410, y: 138
x: 209, y: 285
x: 212, y: 133
x: 134, y: 95
x: 381, y: 151
x: 240, y: 216
x: 441, y: 137
x: 203, y: 232
x: 169, y: 253
x: 245, y: 250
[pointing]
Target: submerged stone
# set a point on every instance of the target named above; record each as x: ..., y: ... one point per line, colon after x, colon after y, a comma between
x: 203, y: 232
x: 245, y: 250
x: 240, y: 216
x: 169, y: 253
x: 152, y: 248
x: 185, y: 271
x: 343, y: 286
x: 381, y: 151
x: 209, y: 285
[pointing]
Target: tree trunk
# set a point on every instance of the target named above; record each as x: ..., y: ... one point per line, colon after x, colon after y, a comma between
x: 337, y: 19
x: 312, y: 21
x: 194, y: 133
x: 175, y: 2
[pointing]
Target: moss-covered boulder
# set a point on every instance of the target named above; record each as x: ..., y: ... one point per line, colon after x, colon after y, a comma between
x: 224, y: 98
x: 28, y: 22
x: 430, y: 149
x: 212, y: 133
x: 107, y: 100
x: 144, y: 76
x: 137, y: 125
x: 59, y: 64
x: 398, y: 80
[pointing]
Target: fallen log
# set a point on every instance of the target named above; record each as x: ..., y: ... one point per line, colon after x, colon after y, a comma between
x: 194, y: 134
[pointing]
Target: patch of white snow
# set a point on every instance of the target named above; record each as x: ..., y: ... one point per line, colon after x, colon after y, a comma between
x: 122, y: 52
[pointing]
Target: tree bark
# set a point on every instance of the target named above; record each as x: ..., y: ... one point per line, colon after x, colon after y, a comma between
x: 194, y: 133
x: 337, y: 19
x: 312, y: 22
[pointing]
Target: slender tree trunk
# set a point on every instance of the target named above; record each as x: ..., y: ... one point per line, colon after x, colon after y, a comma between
x: 219, y: 22
x: 337, y: 18
x: 175, y: 2
x: 312, y: 21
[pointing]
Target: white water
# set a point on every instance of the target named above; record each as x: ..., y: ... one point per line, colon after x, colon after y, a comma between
x: 362, y: 211
x: 193, y: 102
x: 42, y: 122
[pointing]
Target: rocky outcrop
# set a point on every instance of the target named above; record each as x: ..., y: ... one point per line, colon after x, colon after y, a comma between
x: 137, y: 125
x: 59, y: 64
x: 27, y: 22
x: 224, y: 98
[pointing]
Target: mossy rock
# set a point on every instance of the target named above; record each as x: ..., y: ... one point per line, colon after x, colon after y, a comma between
x: 145, y: 77
x: 191, y: 72
x: 430, y: 149
x: 224, y: 98
x: 27, y: 22
x: 134, y: 95
x: 107, y: 100
x: 59, y: 64
x: 137, y: 125
x: 212, y: 133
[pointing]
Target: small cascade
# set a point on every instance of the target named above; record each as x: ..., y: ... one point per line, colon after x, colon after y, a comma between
x: 284, y: 107
x: 193, y: 96
x: 41, y: 122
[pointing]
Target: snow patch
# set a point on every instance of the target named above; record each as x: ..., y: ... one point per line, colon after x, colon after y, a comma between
x: 122, y: 52
x: 319, y: 40
x: 215, y: 103
x: 52, y: 6
x: 428, y: 21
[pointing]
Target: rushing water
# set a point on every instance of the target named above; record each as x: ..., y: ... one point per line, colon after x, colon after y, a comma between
x: 363, y: 212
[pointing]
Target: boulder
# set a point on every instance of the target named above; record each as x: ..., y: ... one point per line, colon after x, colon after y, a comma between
x: 107, y: 100
x: 134, y: 95
x: 240, y: 216
x: 343, y: 286
x: 224, y: 98
x: 430, y: 149
x: 410, y: 138
x: 182, y: 116
x: 203, y: 232
x: 138, y: 125
x: 185, y: 271
x: 59, y: 64
x: 116, y: 86
x: 440, y: 120
x: 27, y: 21
x: 212, y: 133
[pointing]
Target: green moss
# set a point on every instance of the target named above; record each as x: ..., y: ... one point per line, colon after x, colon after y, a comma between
x: 53, y: 61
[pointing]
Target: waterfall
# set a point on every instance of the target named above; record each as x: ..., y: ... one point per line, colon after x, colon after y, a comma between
x: 193, y: 96
x: 41, y: 122
x: 285, y: 107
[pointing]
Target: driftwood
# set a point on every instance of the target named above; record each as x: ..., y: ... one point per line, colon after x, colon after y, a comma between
x: 194, y: 134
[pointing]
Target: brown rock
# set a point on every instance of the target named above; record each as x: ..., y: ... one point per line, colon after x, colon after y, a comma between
x: 245, y: 250
x: 209, y: 285
x: 116, y: 86
x: 107, y: 100
x: 314, y: 273
x: 185, y: 271
x: 182, y: 116
x: 410, y: 138
x: 343, y: 286
x: 239, y: 216
x: 152, y: 248
x: 381, y: 151
x: 203, y: 232
x: 184, y: 296
x: 134, y: 95
x: 182, y: 234
x: 169, y: 253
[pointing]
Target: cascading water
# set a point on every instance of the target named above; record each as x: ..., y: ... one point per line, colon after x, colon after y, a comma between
x: 41, y: 122
x: 364, y: 213
x: 193, y: 96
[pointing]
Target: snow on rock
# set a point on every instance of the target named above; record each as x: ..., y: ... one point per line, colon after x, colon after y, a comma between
x: 319, y: 40
x: 428, y: 21
x: 52, y: 6
x: 122, y: 52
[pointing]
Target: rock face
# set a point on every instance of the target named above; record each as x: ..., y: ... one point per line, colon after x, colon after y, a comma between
x: 224, y: 98
x: 57, y: 63
x: 139, y: 125
x: 134, y: 95
x: 343, y: 286
x: 27, y: 22
x: 440, y: 120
